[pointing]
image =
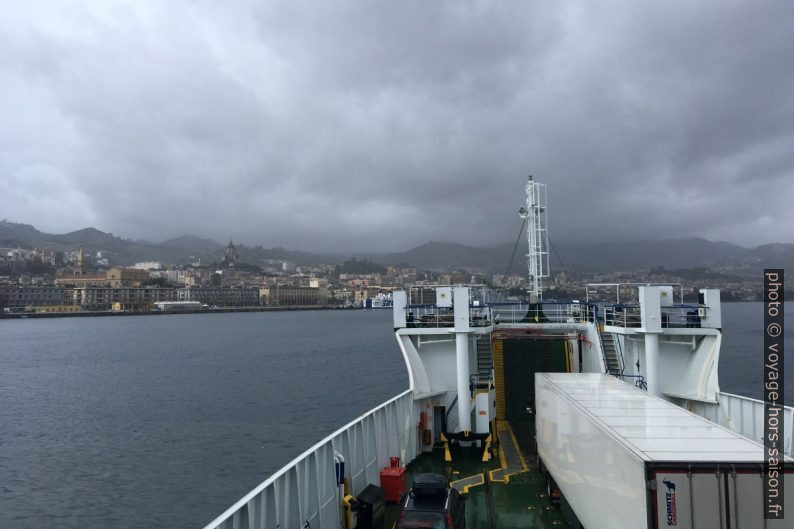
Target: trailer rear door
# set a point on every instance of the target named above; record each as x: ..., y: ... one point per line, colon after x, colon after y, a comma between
x: 721, y: 498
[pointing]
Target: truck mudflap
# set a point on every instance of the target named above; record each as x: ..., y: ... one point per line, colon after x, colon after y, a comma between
x: 715, y: 498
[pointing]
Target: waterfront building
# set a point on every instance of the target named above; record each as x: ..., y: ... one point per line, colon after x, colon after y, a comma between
x: 176, y: 306
x: 296, y: 296
x: 19, y: 297
x: 81, y: 280
x: 55, y: 309
x: 125, y: 277
x: 342, y: 296
x: 124, y: 298
x: 115, y: 277
x: 264, y: 294
x: 220, y: 296
x: 141, y: 299
x: 92, y: 297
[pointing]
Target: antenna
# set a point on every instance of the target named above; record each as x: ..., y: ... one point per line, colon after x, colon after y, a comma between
x: 534, y: 212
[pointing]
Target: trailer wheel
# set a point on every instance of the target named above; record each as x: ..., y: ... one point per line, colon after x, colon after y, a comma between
x: 553, y: 492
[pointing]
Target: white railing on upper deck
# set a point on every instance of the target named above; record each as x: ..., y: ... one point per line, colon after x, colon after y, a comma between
x: 682, y: 315
x: 543, y: 312
x: 425, y: 293
x: 623, y: 316
x: 431, y: 316
x: 673, y: 316
x: 480, y: 316
x: 625, y: 292
x: 305, y: 495
x: 746, y: 417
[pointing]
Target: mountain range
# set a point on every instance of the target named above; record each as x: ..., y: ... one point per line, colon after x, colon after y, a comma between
x: 684, y: 253
x: 605, y: 256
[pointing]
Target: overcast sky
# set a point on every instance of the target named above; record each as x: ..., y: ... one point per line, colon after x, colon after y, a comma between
x: 366, y: 125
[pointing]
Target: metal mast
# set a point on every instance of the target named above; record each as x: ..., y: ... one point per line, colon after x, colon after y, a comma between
x: 534, y: 212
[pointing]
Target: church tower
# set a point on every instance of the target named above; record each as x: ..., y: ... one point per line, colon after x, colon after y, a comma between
x: 230, y: 256
x: 80, y: 262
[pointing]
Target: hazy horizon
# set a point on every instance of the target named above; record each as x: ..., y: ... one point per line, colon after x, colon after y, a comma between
x: 386, y: 250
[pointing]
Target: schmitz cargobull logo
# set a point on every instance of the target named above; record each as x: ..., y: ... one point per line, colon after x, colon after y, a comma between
x: 672, y: 508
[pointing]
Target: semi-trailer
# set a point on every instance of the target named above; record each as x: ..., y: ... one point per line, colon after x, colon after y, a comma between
x: 622, y: 458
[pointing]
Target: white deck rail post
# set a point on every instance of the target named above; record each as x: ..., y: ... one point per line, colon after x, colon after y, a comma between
x: 460, y: 298
x: 651, y: 313
x: 464, y: 396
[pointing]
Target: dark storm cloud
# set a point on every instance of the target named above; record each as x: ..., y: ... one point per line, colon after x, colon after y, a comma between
x: 363, y: 125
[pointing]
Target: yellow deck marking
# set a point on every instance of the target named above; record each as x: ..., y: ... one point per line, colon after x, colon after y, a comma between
x: 463, y: 485
x: 502, y: 474
x: 499, y: 376
x: 447, y: 453
x: 518, y: 448
x: 486, y: 453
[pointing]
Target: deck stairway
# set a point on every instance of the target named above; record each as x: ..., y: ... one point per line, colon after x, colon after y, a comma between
x: 452, y: 416
x: 610, y: 353
x: 484, y: 357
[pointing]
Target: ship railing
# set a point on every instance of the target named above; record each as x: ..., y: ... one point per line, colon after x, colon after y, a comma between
x: 623, y: 315
x: 745, y: 416
x: 432, y: 316
x: 625, y: 292
x: 543, y: 312
x: 308, y: 491
x: 424, y: 293
x: 593, y: 315
x: 479, y: 382
x: 629, y: 315
x: 429, y: 316
x: 480, y: 316
x: 682, y: 315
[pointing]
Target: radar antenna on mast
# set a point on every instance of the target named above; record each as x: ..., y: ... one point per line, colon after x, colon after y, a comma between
x: 534, y: 213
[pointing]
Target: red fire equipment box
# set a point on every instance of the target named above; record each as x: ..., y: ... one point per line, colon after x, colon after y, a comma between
x: 392, y: 481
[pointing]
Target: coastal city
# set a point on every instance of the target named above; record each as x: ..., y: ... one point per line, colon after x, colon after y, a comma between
x: 42, y: 282
x: 50, y: 283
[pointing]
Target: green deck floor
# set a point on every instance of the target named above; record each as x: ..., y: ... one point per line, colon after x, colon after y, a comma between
x: 519, y: 503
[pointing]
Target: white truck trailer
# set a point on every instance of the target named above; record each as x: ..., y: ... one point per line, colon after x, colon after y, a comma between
x: 622, y: 458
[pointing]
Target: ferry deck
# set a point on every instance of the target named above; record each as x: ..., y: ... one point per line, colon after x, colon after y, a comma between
x: 506, y: 492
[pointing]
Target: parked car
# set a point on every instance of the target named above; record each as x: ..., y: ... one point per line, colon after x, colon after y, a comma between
x: 432, y: 504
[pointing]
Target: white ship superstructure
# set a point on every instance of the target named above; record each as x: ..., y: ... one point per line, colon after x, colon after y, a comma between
x: 629, y: 392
